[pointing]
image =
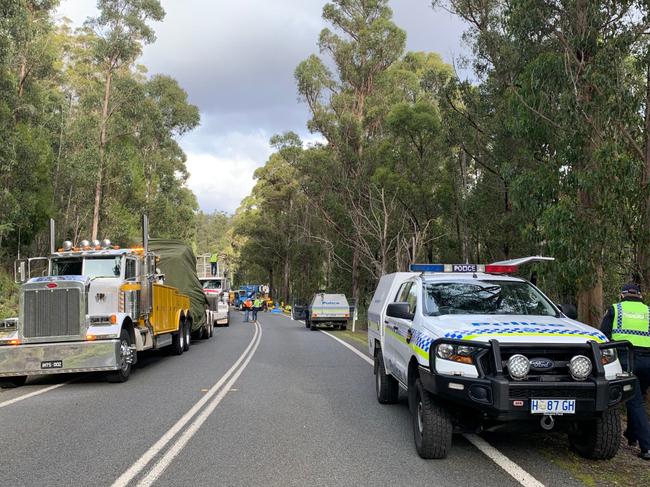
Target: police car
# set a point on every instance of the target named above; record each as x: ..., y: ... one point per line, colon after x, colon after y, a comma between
x: 477, y: 348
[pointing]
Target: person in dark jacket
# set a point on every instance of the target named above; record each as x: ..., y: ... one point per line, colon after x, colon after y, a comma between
x: 629, y: 319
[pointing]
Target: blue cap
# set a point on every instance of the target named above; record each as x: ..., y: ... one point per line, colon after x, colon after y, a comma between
x: 631, y: 288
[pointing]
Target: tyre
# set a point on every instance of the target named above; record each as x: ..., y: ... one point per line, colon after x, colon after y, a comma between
x: 188, y: 335
x: 307, y: 322
x: 122, y: 374
x: 11, y: 382
x: 344, y: 327
x: 597, y: 439
x: 432, y: 428
x: 211, y: 330
x: 178, y: 340
x: 313, y: 326
x: 386, y: 385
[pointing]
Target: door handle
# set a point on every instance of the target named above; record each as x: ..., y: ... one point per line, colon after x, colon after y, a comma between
x: 395, y: 328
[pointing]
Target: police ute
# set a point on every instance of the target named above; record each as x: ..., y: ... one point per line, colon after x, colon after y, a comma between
x: 476, y: 348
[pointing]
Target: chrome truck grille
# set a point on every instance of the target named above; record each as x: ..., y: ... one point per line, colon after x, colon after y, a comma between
x: 51, y: 312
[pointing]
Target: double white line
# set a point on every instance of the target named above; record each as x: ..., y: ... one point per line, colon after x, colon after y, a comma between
x: 179, y: 434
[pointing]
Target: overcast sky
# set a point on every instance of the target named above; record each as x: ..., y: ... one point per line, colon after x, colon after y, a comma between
x: 236, y: 61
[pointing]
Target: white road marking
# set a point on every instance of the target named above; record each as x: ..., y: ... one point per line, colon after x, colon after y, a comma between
x: 510, y: 467
x: 9, y: 402
x: 350, y: 347
x: 514, y: 470
x: 150, y: 454
x: 176, y: 448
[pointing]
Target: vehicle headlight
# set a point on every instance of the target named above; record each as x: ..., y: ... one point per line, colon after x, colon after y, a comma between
x: 518, y: 366
x: 580, y: 367
x: 457, y: 353
x: 608, y: 355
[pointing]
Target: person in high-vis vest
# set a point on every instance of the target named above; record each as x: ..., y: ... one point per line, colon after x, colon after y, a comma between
x: 629, y: 320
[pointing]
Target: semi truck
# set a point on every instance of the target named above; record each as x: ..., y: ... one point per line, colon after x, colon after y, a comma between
x: 95, y: 308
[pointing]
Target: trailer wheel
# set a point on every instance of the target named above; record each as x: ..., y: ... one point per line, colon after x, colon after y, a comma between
x: 598, y: 439
x: 386, y: 385
x: 11, y: 382
x: 432, y: 426
x: 188, y: 335
x: 178, y: 340
x: 122, y: 374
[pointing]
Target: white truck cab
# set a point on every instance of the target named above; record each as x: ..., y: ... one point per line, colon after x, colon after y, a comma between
x: 476, y: 348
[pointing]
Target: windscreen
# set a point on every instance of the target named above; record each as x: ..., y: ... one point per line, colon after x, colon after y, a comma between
x: 212, y: 284
x: 485, y: 298
x: 104, y: 267
x: 67, y: 267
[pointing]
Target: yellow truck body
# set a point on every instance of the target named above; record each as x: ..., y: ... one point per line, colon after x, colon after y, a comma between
x: 168, y: 304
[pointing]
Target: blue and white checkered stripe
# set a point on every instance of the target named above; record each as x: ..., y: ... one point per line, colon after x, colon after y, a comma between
x: 461, y: 334
x: 619, y: 324
x: 423, y: 341
x: 619, y: 316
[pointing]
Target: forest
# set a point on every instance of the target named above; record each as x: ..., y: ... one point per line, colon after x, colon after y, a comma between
x: 87, y: 136
x: 545, y: 149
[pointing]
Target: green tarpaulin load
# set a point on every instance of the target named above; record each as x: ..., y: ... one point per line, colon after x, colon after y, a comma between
x: 178, y: 263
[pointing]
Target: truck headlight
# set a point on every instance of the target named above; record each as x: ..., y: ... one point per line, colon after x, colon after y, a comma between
x: 518, y: 366
x: 608, y: 355
x: 456, y: 353
x: 580, y: 367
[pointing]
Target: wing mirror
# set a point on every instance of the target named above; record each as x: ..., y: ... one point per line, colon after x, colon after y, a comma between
x: 399, y: 310
x: 569, y: 310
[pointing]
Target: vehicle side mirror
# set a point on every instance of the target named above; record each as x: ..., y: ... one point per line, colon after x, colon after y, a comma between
x: 399, y: 310
x: 570, y: 311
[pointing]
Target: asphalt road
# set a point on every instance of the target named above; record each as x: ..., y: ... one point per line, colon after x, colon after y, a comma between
x: 278, y: 404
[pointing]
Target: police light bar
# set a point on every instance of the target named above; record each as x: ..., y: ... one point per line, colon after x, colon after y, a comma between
x: 469, y: 268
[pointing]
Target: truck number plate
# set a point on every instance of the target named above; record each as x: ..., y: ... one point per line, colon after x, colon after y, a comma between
x: 52, y: 364
x: 553, y: 406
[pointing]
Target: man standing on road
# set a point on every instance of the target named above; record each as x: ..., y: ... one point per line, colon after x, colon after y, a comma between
x: 629, y: 320
x: 257, y: 305
x: 248, y: 305
x: 213, y: 264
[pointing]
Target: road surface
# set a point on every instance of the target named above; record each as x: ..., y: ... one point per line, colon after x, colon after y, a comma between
x: 271, y: 403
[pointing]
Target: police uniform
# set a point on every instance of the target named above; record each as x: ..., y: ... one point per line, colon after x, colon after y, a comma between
x: 630, y: 320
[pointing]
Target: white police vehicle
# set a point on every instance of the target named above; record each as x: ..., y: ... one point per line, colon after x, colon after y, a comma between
x: 476, y: 348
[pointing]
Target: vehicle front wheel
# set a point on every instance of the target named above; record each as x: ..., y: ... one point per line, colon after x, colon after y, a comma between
x: 432, y: 426
x: 11, y: 382
x: 386, y: 385
x: 122, y: 374
x: 597, y: 439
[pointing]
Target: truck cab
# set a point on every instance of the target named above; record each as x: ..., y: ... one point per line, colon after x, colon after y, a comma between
x: 477, y: 348
x: 96, y: 307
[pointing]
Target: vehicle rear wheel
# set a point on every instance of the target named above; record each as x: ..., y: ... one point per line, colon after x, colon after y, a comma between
x: 188, y: 335
x: 313, y: 326
x: 122, y: 374
x: 211, y: 330
x: 386, y: 385
x: 597, y: 439
x: 11, y: 382
x: 432, y: 426
x: 178, y: 340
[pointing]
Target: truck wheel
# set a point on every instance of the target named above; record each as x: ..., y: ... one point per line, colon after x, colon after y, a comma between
x: 178, y: 340
x: 386, y: 385
x: 122, y: 374
x: 313, y: 326
x: 188, y: 335
x: 11, y: 382
x: 597, y: 439
x: 432, y: 426
x: 211, y: 330
x: 344, y: 327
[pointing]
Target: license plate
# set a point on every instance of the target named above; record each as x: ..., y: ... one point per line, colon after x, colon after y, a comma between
x: 52, y: 364
x: 553, y: 406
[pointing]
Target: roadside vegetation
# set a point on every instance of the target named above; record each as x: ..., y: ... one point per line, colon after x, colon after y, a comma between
x: 542, y: 150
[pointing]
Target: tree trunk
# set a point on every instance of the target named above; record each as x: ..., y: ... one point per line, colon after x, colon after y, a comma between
x: 643, y: 253
x: 355, y: 274
x: 590, y: 302
x: 286, y: 276
x: 102, y: 154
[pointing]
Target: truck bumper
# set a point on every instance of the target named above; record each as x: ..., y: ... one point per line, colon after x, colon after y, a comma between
x: 59, y: 358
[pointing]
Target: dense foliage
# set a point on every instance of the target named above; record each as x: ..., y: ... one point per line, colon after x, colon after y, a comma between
x: 545, y: 151
x: 88, y: 138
